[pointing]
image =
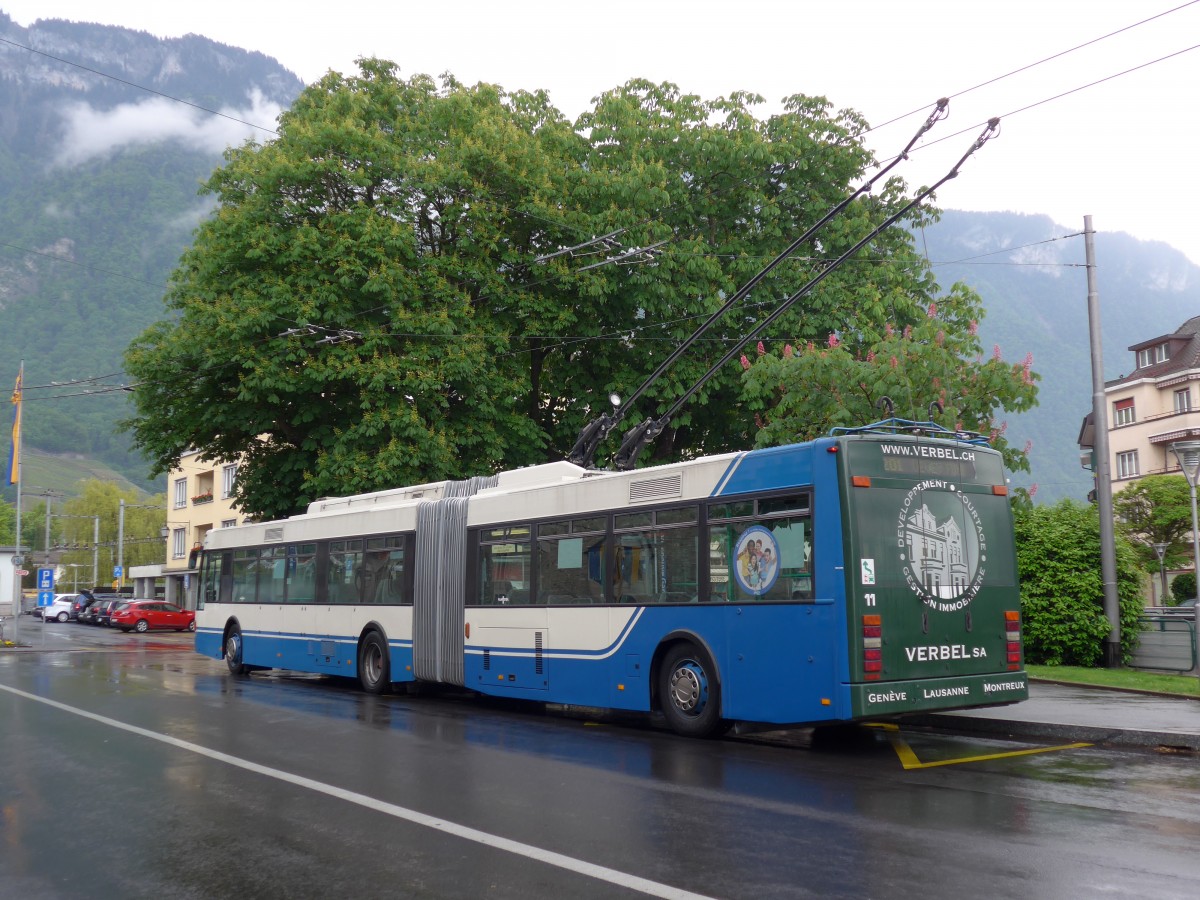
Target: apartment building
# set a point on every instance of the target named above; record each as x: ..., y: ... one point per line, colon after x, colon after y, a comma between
x: 199, y: 499
x: 1154, y: 406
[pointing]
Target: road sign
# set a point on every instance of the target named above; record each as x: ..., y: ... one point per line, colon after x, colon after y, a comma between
x: 21, y: 573
x: 117, y: 571
x: 45, y: 598
x: 45, y: 580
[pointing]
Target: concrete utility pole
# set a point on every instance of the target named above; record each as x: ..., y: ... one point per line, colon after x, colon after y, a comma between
x: 49, y: 500
x: 1108, y: 552
x: 120, y: 543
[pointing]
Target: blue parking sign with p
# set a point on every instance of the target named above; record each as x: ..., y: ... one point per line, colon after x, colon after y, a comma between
x: 45, y: 584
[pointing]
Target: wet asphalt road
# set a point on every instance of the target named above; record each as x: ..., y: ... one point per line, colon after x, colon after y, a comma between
x: 131, y: 767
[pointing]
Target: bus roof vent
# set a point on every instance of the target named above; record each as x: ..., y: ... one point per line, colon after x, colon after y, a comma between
x: 662, y: 488
x: 273, y: 534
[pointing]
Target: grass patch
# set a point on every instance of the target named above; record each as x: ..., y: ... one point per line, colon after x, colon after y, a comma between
x: 1125, y: 679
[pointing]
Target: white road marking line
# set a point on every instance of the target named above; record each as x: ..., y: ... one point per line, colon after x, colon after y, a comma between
x: 601, y: 873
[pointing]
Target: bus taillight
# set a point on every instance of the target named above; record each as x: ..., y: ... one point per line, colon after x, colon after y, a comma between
x: 1012, y: 633
x: 872, y: 641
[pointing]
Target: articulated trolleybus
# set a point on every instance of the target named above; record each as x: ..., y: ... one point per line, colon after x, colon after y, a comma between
x: 870, y: 573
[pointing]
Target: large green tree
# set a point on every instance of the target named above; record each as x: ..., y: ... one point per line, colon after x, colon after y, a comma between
x: 419, y: 227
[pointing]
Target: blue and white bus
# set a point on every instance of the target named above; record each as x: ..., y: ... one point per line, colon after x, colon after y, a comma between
x: 862, y: 575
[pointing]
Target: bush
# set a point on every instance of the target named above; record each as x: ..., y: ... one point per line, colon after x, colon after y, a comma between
x: 1062, y: 595
x: 1183, y: 587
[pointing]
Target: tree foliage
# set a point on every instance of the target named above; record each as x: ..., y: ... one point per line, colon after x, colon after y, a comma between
x: 1183, y: 587
x: 8, y: 523
x: 430, y: 219
x: 1157, y: 509
x: 1062, y: 597
x: 73, y: 529
x: 935, y: 358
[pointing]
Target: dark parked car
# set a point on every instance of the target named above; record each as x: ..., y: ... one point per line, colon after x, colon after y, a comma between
x: 93, y: 611
x: 104, y: 609
x: 82, y: 600
x: 143, y: 615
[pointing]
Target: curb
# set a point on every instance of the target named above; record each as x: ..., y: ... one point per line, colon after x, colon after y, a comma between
x: 1113, y: 690
x: 1113, y: 737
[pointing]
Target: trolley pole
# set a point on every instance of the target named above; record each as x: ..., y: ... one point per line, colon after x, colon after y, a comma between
x: 1108, y: 553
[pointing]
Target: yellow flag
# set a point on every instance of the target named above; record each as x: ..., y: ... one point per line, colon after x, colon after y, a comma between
x: 14, y: 455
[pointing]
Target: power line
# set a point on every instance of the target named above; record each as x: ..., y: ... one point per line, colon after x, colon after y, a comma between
x: 140, y: 87
x: 64, y: 259
x: 1032, y: 65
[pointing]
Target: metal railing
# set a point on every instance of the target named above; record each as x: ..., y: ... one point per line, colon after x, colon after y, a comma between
x: 1166, y: 642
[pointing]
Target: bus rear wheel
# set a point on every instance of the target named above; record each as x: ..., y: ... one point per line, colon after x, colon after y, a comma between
x: 374, y: 669
x: 689, y: 692
x: 233, y: 652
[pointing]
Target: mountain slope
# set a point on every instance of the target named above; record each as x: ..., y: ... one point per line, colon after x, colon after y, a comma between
x: 98, y: 198
x: 1032, y: 276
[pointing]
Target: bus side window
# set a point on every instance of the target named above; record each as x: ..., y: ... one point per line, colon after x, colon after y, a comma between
x: 661, y: 563
x: 383, y: 570
x: 243, y: 582
x: 225, y: 577
x: 301, y: 573
x: 212, y: 580
x: 345, y: 571
x: 766, y: 560
x: 503, y: 569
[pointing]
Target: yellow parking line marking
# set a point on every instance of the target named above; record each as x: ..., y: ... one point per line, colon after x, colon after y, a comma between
x: 909, y: 760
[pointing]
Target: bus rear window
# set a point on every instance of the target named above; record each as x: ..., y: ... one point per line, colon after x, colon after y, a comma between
x: 924, y: 458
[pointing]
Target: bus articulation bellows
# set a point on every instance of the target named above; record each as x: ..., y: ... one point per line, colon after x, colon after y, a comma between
x: 870, y: 573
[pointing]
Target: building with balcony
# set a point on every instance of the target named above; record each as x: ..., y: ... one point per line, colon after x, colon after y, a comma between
x: 1154, y: 406
x: 199, y: 498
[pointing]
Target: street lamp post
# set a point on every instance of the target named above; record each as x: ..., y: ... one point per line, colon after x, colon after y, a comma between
x: 1160, y: 550
x: 1188, y: 454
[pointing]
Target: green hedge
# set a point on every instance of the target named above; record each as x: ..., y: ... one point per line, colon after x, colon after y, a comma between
x: 1062, y: 594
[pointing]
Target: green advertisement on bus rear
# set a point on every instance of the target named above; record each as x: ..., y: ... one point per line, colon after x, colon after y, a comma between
x: 933, y: 600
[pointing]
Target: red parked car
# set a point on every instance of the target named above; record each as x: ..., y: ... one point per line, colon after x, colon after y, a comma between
x: 142, y: 615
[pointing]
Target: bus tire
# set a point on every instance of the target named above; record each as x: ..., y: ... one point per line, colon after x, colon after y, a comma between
x: 233, y: 651
x: 689, y: 692
x: 374, y: 668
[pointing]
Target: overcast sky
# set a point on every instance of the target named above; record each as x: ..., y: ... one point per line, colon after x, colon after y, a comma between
x: 1123, y: 150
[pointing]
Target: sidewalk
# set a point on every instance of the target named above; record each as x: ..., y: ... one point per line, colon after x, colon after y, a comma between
x: 1075, y: 713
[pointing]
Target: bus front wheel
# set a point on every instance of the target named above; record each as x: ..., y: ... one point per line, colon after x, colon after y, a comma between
x: 374, y: 671
x: 233, y: 652
x: 689, y: 692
